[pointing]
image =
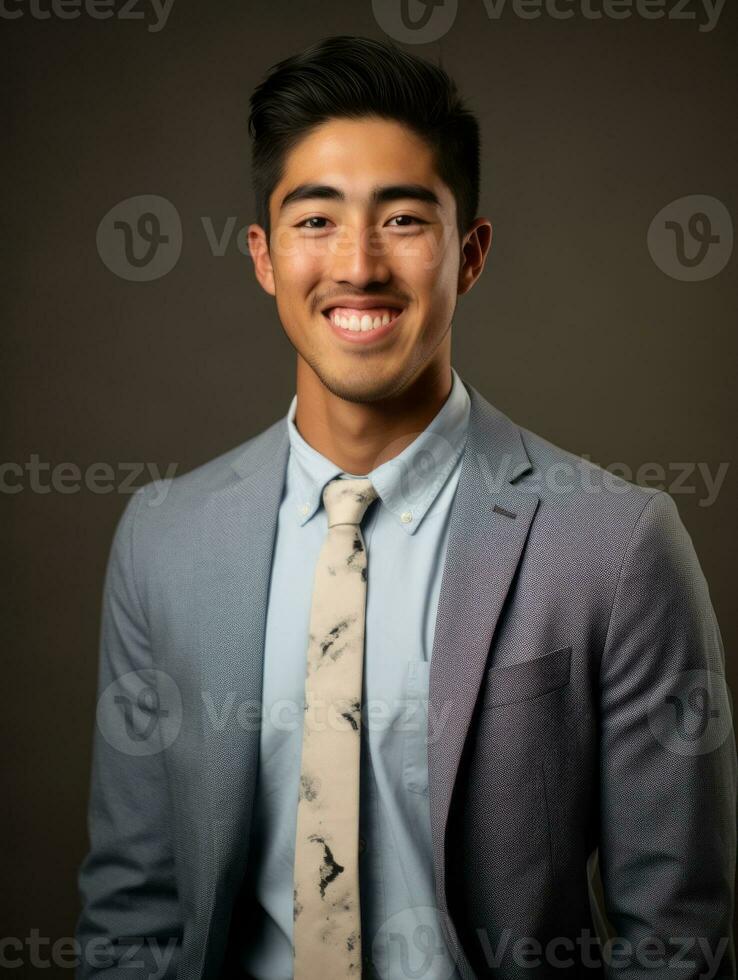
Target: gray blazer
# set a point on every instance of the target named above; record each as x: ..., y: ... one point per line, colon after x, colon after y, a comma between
x: 577, y: 677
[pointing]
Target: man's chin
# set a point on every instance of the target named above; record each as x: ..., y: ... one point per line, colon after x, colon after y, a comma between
x: 357, y: 387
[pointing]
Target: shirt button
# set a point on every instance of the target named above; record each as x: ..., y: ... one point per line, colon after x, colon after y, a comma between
x: 406, y: 517
x: 305, y: 508
x: 362, y: 845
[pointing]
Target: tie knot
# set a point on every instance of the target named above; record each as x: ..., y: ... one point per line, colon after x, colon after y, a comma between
x: 346, y: 501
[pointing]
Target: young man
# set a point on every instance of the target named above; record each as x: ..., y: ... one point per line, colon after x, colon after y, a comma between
x: 379, y: 685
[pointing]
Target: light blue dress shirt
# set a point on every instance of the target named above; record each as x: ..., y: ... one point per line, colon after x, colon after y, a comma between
x: 406, y: 532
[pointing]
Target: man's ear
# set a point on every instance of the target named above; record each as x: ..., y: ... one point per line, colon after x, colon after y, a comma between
x: 259, y: 248
x: 476, y: 245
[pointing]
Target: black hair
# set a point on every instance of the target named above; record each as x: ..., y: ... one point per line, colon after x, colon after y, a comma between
x: 353, y: 77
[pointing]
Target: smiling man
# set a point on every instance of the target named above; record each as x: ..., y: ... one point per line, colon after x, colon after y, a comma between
x: 383, y: 686
x: 369, y: 249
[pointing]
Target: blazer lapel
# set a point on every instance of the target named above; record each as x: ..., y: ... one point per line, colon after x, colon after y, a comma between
x: 490, y: 519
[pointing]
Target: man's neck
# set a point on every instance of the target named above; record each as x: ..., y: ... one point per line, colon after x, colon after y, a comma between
x: 360, y: 436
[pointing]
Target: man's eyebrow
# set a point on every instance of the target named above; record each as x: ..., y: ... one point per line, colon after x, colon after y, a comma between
x: 380, y: 195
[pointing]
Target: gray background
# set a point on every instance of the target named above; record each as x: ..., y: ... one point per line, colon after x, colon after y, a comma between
x: 590, y: 127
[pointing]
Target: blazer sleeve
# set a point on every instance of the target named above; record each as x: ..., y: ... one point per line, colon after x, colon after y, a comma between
x: 130, y: 922
x: 667, y: 764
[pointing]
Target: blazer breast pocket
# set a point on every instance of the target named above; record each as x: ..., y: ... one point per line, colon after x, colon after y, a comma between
x: 527, y: 679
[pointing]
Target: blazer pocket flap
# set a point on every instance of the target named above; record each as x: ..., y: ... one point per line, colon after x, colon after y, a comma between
x: 528, y: 679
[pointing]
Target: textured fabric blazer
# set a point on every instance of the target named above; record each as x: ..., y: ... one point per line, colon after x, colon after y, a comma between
x: 577, y: 684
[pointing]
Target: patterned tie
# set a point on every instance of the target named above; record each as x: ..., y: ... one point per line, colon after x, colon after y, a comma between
x: 327, y: 920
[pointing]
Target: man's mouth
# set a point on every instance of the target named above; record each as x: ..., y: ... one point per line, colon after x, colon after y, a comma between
x: 361, y: 321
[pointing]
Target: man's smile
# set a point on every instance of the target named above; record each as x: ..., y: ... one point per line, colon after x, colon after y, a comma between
x: 361, y: 323
x: 361, y: 319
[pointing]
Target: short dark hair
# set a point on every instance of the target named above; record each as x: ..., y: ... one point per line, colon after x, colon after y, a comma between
x: 353, y: 77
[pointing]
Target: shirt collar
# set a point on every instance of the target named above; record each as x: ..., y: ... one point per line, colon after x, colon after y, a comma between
x: 408, y: 483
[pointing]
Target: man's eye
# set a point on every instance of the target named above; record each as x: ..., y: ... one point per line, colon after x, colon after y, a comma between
x: 406, y: 219
x: 306, y: 224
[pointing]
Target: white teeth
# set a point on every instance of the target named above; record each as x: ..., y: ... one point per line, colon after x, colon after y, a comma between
x: 360, y: 324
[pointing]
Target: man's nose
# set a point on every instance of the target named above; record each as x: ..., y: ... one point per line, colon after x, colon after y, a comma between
x: 359, y: 257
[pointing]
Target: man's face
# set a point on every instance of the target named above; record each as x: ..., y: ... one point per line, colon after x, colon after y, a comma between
x: 363, y: 233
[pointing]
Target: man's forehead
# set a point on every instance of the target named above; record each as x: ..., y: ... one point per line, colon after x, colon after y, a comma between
x: 347, y: 161
x: 355, y: 150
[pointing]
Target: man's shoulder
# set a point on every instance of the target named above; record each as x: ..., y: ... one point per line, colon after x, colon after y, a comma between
x: 577, y: 491
x: 589, y: 510
x: 178, y: 499
x: 589, y: 517
x: 512, y: 457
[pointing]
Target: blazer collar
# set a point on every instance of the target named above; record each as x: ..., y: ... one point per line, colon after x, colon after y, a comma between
x: 407, y: 484
x: 491, y: 435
